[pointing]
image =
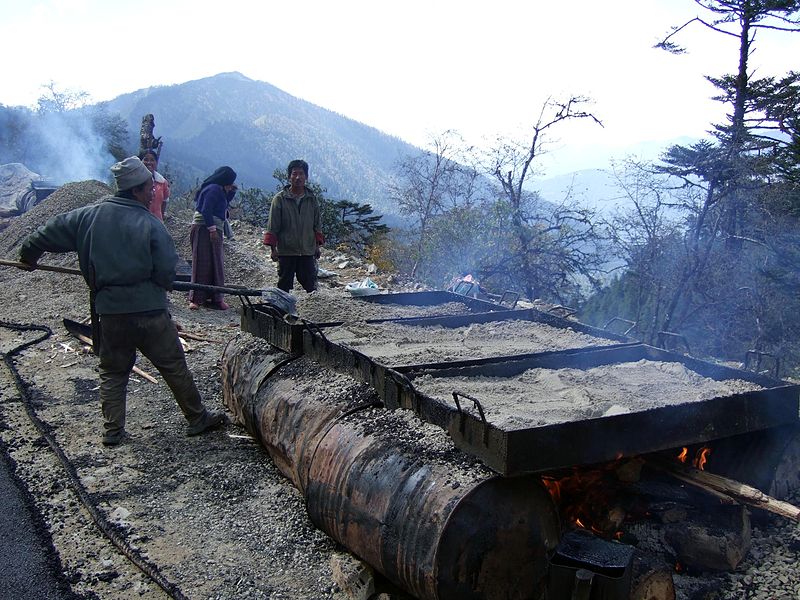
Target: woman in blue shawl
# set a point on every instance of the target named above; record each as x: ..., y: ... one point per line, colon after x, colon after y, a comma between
x: 211, y: 207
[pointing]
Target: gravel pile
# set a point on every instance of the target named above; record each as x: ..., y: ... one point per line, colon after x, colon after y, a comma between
x: 212, y: 513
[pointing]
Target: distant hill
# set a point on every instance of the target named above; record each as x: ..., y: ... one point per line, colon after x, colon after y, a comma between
x: 594, y: 188
x: 255, y: 128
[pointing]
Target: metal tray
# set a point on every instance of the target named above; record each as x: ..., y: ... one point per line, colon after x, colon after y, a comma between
x: 312, y: 345
x: 265, y: 322
x: 433, y: 297
x: 261, y: 320
x: 529, y: 449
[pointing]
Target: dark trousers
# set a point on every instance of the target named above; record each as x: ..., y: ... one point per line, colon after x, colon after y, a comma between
x: 154, y: 335
x: 305, y: 267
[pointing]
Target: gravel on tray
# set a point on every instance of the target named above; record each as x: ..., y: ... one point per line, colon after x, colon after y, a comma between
x: 539, y: 396
x: 335, y: 305
x: 397, y: 344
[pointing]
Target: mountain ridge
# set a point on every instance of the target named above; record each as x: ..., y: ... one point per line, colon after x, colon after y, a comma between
x: 256, y: 128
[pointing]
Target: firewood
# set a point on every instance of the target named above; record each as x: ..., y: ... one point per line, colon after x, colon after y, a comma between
x: 713, y: 540
x: 355, y: 578
x: 630, y: 471
x: 650, y: 580
x: 144, y: 375
x: 187, y: 347
x: 723, y: 487
x: 199, y: 338
x: 137, y: 370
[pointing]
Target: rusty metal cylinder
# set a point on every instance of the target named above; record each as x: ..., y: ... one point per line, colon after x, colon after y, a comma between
x: 291, y: 412
x: 391, y: 489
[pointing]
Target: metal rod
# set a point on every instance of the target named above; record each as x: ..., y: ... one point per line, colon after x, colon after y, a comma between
x: 181, y: 286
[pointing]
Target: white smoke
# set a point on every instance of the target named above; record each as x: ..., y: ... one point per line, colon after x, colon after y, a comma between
x: 62, y: 146
x: 70, y: 149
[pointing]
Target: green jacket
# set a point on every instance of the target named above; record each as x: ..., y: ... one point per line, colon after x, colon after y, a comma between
x: 295, y: 225
x: 126, y: 255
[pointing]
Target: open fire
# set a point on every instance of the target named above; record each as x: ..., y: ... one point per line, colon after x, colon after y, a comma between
x: 600, y: 498
x: 700, y: 458
x: 677, y: 518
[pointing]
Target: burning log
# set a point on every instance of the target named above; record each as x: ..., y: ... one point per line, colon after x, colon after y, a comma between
x: 727, y: 490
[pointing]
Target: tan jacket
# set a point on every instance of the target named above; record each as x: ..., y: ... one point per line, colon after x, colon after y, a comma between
x: 295, y: 224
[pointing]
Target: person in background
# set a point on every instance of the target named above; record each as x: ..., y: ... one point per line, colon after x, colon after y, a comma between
x: 128, y: 285
x: 294, y: 232
x: 211, y: 209
x: 160, y: 185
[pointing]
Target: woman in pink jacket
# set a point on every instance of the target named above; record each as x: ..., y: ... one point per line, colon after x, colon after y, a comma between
x: 160, y: 185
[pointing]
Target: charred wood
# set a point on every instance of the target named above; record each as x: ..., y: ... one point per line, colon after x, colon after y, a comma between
x: 651, y: 579
x: 711, y: 541
x: 728, y: 490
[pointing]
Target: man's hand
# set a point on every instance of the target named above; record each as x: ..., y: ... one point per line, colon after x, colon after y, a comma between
x: 273, y: 254
x: 317, y: 252
x: 214, y: 234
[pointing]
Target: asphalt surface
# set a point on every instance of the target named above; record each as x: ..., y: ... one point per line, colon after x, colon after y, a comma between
x: 30, y: 566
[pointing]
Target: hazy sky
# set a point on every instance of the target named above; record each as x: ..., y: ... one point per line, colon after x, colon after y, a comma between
x: 411, y: 68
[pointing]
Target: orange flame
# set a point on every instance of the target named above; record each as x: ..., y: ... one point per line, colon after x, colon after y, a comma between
x: 684, y: 454
x: 701, y: 458
x: 584, y: 497
x: 554, y: 487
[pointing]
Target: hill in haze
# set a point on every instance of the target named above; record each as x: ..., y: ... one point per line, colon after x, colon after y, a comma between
x: 252, y: 126
x: 255, y: 128
x: 594, y: 188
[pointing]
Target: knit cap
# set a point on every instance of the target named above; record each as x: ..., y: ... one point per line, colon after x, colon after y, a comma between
x: 129, y: 173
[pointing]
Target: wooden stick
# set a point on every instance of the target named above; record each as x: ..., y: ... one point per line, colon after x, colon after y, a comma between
x: 137, y: 370
x: 147, y: 376
x: 717, y: 484
x: 23, y: 266
x: 200, y: 338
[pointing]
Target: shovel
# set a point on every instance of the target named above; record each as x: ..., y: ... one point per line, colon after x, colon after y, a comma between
x: 181, y: 286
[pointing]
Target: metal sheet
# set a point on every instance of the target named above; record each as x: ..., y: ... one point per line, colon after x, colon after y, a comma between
x: 312, y: 343
x: 530, y: 314
x: 258, y: 320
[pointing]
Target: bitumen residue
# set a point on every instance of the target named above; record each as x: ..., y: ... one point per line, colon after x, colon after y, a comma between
x: 30, y: 569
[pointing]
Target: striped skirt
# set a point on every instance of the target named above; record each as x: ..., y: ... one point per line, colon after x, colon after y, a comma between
x: 207, y: 264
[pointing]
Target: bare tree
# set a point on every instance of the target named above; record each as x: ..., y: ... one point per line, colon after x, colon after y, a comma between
x: 646, y: 232
x: 543, y: 248
x: 429, y: 184
x: 55, y: 100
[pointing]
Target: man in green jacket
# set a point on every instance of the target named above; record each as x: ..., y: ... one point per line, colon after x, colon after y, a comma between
x: 294, y: 231
x: 128, y: 259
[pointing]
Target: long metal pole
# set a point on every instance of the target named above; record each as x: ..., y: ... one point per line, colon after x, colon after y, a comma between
x: 181, y: 286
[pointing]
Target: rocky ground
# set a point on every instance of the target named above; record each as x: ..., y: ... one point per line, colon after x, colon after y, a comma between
x: 211, y: 514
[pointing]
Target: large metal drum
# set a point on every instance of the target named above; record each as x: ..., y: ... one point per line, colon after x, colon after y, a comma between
x: 390, y: 488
